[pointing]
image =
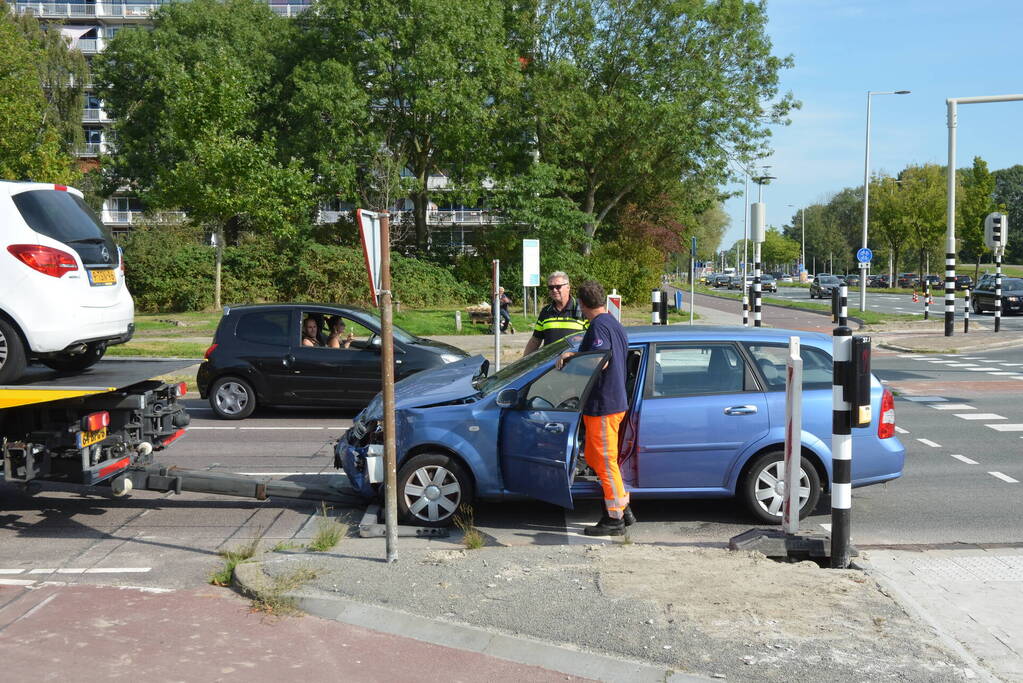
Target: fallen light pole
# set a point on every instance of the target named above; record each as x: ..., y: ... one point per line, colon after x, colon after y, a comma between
x: 793, y: 437
x: 387, y: 375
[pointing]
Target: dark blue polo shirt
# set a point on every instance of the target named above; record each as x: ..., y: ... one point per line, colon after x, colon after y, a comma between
x: 608, y: 393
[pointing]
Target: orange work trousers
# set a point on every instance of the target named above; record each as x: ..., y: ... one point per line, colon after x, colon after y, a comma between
x: 601, y: 453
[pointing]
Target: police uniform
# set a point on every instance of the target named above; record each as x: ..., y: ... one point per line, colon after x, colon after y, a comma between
x: 553, y: 324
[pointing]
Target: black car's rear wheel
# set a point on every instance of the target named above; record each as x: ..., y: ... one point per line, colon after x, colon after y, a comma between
x: 232, y: 398
x: 431, y: 487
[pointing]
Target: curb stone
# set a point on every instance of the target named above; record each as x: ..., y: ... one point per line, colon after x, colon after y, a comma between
x: 250, y: 579
x: 987, y: 347
x: 914, y: 609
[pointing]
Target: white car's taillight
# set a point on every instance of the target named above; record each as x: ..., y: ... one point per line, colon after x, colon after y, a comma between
x: 886, y: 424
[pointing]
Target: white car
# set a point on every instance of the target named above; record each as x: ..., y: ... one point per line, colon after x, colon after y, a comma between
x: 62, y: 294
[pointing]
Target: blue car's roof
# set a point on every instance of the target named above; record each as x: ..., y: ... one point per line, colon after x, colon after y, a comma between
x: 669, y: 333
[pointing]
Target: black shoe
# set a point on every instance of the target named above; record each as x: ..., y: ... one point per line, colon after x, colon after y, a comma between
x: 628, y: 517
x: 606, y: 527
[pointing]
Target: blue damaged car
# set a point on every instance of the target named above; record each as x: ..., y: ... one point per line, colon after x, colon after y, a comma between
x: 706, y: 420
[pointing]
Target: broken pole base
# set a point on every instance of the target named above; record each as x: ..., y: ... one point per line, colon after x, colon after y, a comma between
x: 776, y: 544
x: 371, y: 527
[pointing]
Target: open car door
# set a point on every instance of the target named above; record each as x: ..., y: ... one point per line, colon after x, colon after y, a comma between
x: 539, y: 434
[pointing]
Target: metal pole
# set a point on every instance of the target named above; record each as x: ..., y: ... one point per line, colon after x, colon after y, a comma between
x: 841, y: 438
x: 793, y: 437
x: 495, y: 313
x: 745, y: 254
x: 802, y: 259
x: 966, y: 312
x: 998, y: 289
x: 692, y: 287
x: 950, y: 219
x: 866, y: 204
x: 756, y: 285
x: 387, y: 374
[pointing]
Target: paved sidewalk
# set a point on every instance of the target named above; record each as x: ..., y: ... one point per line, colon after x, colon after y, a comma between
x: 94, y: 633
x: 972, y: 597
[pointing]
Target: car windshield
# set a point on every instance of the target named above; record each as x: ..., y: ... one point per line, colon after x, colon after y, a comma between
x: 500, y: 379
x: 1013, y: 283
x: 829, y: 280
x: 374, y: 324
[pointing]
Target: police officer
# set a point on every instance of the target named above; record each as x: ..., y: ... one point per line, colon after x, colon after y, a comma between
x: 560, y: 318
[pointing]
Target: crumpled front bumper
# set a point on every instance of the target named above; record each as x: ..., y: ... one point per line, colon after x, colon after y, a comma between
x: 352, y: 459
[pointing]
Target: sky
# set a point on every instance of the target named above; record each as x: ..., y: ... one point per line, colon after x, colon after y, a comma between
x: 844, y: 48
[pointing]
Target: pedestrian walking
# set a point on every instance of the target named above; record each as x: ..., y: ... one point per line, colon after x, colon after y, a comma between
x: 505, y: 302
x: 605, y: 408
x: 561, y: 317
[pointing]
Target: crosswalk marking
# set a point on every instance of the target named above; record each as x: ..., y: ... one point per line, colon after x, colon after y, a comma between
x: 962, y: 365
x: 980, y: 369
x: 943, y: 362
x: 1005, y: 374
x: 952, y: 406
x: 1004, y: 477
x: 964, y: 459
x: 924, y: 399
x: 900, y: 430
x: 980, y: 416
x: 1007, y: 428
x: 928, y: 442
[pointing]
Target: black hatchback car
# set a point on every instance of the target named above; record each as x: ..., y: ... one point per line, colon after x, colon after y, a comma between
x: 1012, y: 295
x: 258, y: 358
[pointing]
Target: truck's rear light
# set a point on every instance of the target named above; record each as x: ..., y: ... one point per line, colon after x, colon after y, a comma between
x: 213, y: 347
x: 95, y: 421
x: 886, y: 424
x: 46, y: 260
x: 180, y: 389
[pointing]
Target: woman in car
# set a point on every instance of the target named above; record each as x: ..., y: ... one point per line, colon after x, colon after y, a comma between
x: 336, y: 325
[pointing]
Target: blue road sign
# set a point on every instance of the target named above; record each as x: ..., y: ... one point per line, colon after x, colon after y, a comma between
x: 864, y: 255
x: 678, y: 300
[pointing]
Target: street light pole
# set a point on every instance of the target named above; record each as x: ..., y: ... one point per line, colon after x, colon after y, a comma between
x: 758, y: 231
x: 802, y: 251
x: 866, y: 189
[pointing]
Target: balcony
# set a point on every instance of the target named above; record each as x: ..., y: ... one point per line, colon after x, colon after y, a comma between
x: 127, y: 218
x: 90, y: 46
x: 90, y: 149
x: 437, y: 218
x: 288, y: 10
x: 72, y: 10
x: 94, y: 115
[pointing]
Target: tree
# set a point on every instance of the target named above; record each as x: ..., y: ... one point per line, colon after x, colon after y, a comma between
x: 650, y: 92
x: 190, y: 99
x: 31, y: 143
x: 777, y: 249
x: 434, y: 77
x: 974, y: 202
x: 1008, y: 194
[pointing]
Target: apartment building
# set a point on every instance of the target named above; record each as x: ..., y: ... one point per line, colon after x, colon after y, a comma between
x: 89, y: 24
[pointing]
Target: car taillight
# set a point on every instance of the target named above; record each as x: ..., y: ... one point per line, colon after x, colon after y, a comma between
x: 886, y: 425
x: 120, y: 259
x: 180, y: 389
x: 210, y: 350
x: 96, y: 421
x: 46, y: 260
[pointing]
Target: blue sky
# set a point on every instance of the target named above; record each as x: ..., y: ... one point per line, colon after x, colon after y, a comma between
x: 842, y: 49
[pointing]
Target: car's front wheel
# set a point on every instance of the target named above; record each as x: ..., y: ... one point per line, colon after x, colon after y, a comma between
x: 232, y: 398
x: 763, y: 488
x: 976, y: 306
x: 431, y: 487
x: 79, y: 361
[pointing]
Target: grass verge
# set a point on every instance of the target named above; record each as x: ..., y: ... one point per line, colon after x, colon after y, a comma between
x: 232, y: 558
x: 329, y: 531
x: 274, y: 601
x: 159, y: 349
x: 868, y: 317
x: 465, y: 521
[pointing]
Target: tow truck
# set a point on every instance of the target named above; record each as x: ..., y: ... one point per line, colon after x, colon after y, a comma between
x: 102, y: 427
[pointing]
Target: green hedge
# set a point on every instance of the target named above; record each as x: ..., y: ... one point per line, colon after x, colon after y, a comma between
x: 168, y: 269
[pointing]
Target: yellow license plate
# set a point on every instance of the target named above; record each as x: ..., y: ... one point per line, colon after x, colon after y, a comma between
x: 102, y: 277
x: 89, y: 438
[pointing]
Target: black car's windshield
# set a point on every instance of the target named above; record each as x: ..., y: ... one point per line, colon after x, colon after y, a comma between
x: 1012, y: 283
x: 399, y: 334
x: 500, y: 379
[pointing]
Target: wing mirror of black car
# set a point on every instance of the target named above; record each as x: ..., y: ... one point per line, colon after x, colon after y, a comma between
x: 507, y: 398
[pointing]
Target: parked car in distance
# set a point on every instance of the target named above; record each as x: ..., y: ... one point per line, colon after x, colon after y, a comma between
x: 983, y: 297
x: 963, y: 282
x: 906, y: 280
x: 464, y: 435
x: 880, y: 281
x: 786, y: 278
x: 822, y: 286
x: 768, y: 283
x: 63, y: 298
x: 852, y: 280
x: 719, y: 280
x: 257, y: 358
x: 932, y: 281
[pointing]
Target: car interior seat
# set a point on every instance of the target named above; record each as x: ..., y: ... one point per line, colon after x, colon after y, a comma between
x: 722, y: 373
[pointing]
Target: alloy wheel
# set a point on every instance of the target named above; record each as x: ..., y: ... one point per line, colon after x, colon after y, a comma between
x: 432, y: 493
x: 769, y: 488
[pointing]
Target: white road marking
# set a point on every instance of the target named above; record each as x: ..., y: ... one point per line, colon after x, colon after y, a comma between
x: 1011, y: 365
x: 928, y: 442
x: 1007, y: 428
x: 964, y: 459
x: 974, y: 358
x: 16, y: 582
x: 1005, y: 374
x: 11, y: 571
x: 963, y: 365
x: 93, y: 570
x: 1004, y: 477
x: 900, y: 430
x: 826, y: 527
x: 980, y: 369
x: 923, y: 357
x: 952, y: 406
x: 924, y: 399
x: 287, y: 474
x: 943, y: 362
x: 980, y: 416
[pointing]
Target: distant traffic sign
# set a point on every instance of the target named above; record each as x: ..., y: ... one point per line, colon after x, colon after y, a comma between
x: 864, y: 255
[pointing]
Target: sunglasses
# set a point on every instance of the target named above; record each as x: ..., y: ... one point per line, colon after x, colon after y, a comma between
x: 554, y: 287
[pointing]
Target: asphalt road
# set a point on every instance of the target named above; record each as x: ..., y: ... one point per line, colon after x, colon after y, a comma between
x: 959, y: 419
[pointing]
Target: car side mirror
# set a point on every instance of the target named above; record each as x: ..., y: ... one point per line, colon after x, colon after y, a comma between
x: 375, y: 342
x: 507, y: 398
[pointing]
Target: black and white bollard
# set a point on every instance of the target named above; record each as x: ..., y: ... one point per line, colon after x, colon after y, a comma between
x: 966, y: 312
x: 745, y: 304
x: 950, y: 293
x: 757, y: 308
x: 998, y: 289
x: 841, y: 437
x: 655, y: 307
x: 927, y: 300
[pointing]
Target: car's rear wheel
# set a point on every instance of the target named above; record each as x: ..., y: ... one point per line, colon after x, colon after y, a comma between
x: 431, y: 487
x: 75, y: 362
x: 12, y: 353
x: 762, y: 490
x: 232, y: 398
x: 976, y: 306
